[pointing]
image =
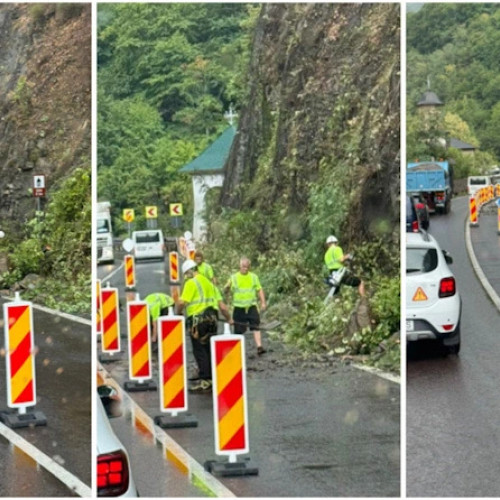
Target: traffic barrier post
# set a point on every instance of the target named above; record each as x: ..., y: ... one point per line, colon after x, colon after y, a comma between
x: 230, y: 405
x: 473, y: 220
x: 110, y: 325
x: 129, y: 272
x: 139, y: 348
x: 172, y: 374
x: 98, y: 307
x: 173, y: 259
x: 20, y: 366
x: 498, y: 216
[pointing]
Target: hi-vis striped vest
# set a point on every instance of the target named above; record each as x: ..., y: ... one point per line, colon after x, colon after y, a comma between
x: 204, y: 298
x: 244, y: 287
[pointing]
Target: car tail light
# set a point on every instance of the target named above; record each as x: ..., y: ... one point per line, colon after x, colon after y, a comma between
x: 447, y: 328
x: 414, y: 226
x: 447, y: 287
x: 112, y: 474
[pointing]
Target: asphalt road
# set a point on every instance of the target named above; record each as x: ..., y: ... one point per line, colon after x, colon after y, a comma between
x: 453, y: 402
x: 63, y: 378
x: 319, y: 429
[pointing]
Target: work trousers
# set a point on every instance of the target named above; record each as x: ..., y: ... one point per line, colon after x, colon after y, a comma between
x: 201, y: 346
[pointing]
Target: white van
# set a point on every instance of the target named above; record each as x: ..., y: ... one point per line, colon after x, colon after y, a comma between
x: 148, y: 244
x: 476, y: 182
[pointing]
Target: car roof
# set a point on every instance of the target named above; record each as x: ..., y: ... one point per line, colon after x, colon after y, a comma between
x: 421, y: 239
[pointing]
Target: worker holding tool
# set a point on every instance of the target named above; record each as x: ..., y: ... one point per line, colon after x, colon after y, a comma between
x: 334, y: 261
x: 158, y: 304
x: 245, y: 287
x: 198, y: 297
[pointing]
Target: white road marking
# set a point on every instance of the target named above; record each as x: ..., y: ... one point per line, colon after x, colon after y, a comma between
x: 388, y: 376
x: 67, y: 316
x: 63, y: 475
x: 195, y: 469
x: 477, y: 268
x: 110, y: 275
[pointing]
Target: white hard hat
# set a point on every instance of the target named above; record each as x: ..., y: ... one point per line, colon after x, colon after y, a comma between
x: 188, y: 264
x: 331, y: 239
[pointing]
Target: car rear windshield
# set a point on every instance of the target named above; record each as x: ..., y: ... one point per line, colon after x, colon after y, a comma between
x: 147, y: 238
x: 421, y: 260
x: 478, y: 181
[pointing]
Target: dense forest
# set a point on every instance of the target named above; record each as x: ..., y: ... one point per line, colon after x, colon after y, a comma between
x: 316, y: 88
x: 456, y: 49
x: 45, y: 95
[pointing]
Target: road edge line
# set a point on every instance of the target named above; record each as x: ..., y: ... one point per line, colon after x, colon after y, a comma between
x: 110, y: 275
x: 70, y: 317
x: 477, y: 268
x: 59, y: 472
x: 194, y: 470
x: 376, y: 371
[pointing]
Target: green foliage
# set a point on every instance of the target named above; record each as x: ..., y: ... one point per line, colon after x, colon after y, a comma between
x: 58, y: 246
x: 21, y: 95
x: 458, y: 47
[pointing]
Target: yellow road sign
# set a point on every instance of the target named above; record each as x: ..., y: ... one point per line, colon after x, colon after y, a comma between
x: 128, y: 215
x: 175, y: 209
x: 151, y: 212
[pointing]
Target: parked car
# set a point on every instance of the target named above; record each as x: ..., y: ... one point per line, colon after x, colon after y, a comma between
x: 148, y: 244
x: 433, y: 304
x: 417, y: 214
x: 114, y: 476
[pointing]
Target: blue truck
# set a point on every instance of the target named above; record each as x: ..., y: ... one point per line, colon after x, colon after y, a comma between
x: 431, y: 182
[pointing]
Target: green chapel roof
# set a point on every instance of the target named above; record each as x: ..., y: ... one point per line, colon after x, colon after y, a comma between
x: 214, y: 157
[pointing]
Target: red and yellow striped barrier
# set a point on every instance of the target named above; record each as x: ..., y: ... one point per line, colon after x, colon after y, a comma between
x: 229, y: 395
x: 173, y: 259
x: 98, y: 315
x: 173, y: 376
x: 110, y: 320
x: 139, y: 342
x: 473, y: 211
x: 20, y: 358
x: 129, y: 271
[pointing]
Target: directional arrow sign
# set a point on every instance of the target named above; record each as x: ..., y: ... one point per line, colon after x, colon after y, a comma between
x: 151, y: 212
x: 128, y: 215
x: 175, y: 209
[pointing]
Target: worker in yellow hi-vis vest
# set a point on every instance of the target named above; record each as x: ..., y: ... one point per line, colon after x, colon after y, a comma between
x: 247, y: 291
x: 202, y: 301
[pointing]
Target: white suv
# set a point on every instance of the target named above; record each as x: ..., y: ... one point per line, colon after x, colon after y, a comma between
x: 433, y: 305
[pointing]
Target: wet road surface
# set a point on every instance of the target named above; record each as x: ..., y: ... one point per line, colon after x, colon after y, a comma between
x: 453, y: 402
x: 63, y: 375
x: 323, y: 430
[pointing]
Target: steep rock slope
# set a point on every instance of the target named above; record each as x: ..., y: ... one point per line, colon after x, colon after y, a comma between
x: 323, y: 102
x: 45, y: 96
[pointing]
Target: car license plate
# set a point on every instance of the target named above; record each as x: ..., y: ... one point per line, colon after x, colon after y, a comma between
x: 410, y: 325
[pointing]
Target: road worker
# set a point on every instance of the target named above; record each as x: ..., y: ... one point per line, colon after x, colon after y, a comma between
x: 334, y: 261
x: 158, y: 304
x: 203, y: 267
x: 198, y: 297
x: 247, y: 290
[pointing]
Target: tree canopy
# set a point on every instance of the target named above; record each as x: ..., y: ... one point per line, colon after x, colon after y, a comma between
x: 457, y: 46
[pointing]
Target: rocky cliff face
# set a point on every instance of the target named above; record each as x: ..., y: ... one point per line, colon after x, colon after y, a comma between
x: 45, y: 99
x: 323, y: 101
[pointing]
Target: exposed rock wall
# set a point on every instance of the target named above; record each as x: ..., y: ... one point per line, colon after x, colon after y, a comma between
x: 323, y: 93
x: 45, y: 96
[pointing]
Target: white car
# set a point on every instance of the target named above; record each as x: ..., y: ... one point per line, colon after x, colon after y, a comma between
x: 114, y: 476
x: 433, y: 305
x: 148, y: 244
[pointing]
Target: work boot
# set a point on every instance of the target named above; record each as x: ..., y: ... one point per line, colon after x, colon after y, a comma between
x: 260, y: 350
x: 201, y: 386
